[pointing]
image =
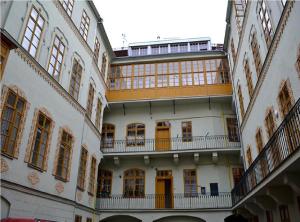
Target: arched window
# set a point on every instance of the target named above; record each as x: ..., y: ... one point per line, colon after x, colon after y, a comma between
x: 104, y: 183
x: 135, y: 134
x: 134, y: 183
x: 107, y: 136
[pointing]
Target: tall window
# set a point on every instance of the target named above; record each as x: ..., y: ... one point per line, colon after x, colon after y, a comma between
x: 232, y: 128
x: 256, y: 54
x: 82, y: 168
x: 211, y: 71
x: 183, y: 47
x: 138, y: 80
x: 259, y: 140
x: 11, y: 118
x: 96, y: 50
x: 78, y: 218
x: 135, y: 134
x: 174, y: 48
x: 56, y: 58
x: 269, y: 216
x: 40, y: 142
x: 198, y: 68
x: 284, y: 213
x: 92, y: 176
x: 134, y: 183
x: 104, y: 183
x: 107, y: 135
x: 285, y: 99
x: 33, y: 32
x: 190, y: 183
x: 89, y: 106
x: 240, y: 7
x: 214, y: 189
x: 150, y: 76
x: 233, y: 52
x: 162, y: 74
x: 187, y: 131
x: 248, y: 77
x: 270, y: 123
x: 186, y: 73
x: 75, y: 79
x: 98, y: 114
x: 68, y: 6
x: 249, y: 155
x: 241, y: 101
x: 237, y: 174
x: 104, y: 63
x: 266, y: 22
x: 64, y: 153
x: 84, y: 25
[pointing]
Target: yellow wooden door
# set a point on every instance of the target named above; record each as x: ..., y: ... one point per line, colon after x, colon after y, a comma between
x: 160, y: 193
x: 162, y: 138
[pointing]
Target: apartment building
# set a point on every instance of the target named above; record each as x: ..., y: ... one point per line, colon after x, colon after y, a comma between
x: 264, y: 55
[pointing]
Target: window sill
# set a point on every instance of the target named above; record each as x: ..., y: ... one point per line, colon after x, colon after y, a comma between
x: 35, y: 167
x: 8, y: 156
x: 80, y: 188
x: 60, y: 178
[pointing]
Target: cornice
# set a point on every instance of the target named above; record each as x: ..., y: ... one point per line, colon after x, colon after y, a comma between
x: 272, y: 49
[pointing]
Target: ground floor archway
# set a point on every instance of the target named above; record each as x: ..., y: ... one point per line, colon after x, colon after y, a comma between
x: 179, y: 219
x: 118, y: 218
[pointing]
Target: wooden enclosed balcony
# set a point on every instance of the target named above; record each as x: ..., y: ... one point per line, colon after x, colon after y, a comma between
x: 154, y: 81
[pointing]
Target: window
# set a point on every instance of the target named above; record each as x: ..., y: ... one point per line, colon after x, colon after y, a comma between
x: 163, y: 49
x: 96, y: 50
x: 211, y: 71
x: 259, y: 140
x: 75, y: 79
x: 174, y: 48
x: 186, y: 73
x: 266, y: 22
x: 190, y: 183
x: 78, y: 218
x: 249, y: 155
x: 33, y: 32
x: 241, y: 101
x: 233, y: 53
x: 89, y: 106
x: 103, y: 67
x: 104, y: 183
x: 135, y: 51
x: 135, y: 134
x: 143, y: 51
x: 56, y: 58
x: 134, y: 183
x: 138, y: 80
x: 183, y: 47
x: 82, y: 168
x: 284, y: 213
x: 154, y: 49
x: 162, y: 74
x: 11, y: 118
x: 248, y: 77
x: 40, y: 142
x: 150, y: 75
x: 84, y: 25
x: 68, y: 6
x: 285, y: 99
x: 98, y: 114
x: 232, y: 128
x: 198, y: 67
x: 186, y: 131
x: 270, y: 122
x: 256, y: 54
x: 214, y: 189
x: 62, y: 167
x: 194, y: 47
x: 107, y: 136
x: 92, y: 176
x: 240, y: 7
x: 89, y: 219
x: 269, y: 216
x: 237, y: 174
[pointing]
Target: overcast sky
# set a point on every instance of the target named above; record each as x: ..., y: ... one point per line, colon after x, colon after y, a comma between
x: 144, y: 20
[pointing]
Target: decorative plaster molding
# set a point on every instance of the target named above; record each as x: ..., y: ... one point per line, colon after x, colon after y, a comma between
x: 4, y: 165
x: 33, y: 178
x: 59, y: 187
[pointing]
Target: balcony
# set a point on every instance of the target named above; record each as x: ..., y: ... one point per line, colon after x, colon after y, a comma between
x: 159, y: 202
x: 205, y: 143
x: 282, y: 146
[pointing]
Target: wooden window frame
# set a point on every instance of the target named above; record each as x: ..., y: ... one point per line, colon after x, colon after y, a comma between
x: 232, y: 129
x: 84, y: 25
x: 285, y: 98
x: 92, y: 179
x: 75, y: 79
x: 98, y: 113
x: 240, y: 8
x: 270, y: 122
x: 248, y: 74
x: 68, y: 6
x: 67, y: 146
x: 43, y: 131
x: 284, y: 213
x: 265, y: 19
x: 256, y: 54
x: 33, y: 31
x: 82, y: 168
x: 259, y: 140
x: 104, y: 64
x: 134, y: 177
x: 88, y: 219
x: 105, y: 131
x: 90, y: 100
x: 187, y: 133
x: 188, y: 177
x: 269, y: 216
x: 78, y: 218
x: 237, y: 174
x: 249, y: 155
x: 57, y: 66
x: 241, y: 101
x: 96, y: 50
x: 233, y: 52
x: 12, y: 122
x: 135, y: 128
x: 102, y: 191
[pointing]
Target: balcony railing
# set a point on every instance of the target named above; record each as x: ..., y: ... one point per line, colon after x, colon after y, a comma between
x: 170, y: 144
x: 159, y: 201
x: 284, y: 142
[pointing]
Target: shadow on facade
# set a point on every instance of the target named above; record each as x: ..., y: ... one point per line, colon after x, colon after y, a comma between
x: 118, y: 218
x: 179, y: 219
